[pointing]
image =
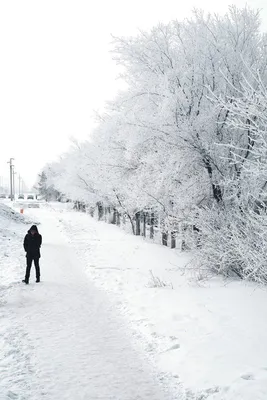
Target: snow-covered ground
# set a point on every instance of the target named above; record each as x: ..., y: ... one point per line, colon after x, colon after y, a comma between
x: 209, y: 336
x: 64, y: 338
x: 98, y: 328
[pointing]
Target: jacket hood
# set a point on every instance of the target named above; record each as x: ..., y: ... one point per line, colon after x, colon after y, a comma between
x: 33, y: 228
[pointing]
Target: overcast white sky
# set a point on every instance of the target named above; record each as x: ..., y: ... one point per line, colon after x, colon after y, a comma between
x: 56, y: 69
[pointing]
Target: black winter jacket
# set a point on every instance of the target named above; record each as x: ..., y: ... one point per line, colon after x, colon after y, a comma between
x: 32, y: 243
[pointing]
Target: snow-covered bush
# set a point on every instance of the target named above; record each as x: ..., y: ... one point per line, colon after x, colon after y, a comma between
x: 156, y: 282
x: 233, y: 242
x: 234, y: 233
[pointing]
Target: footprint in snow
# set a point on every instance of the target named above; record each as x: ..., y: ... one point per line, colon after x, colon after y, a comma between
x: 12, y: 396
x: 12, y: 351
x: 174, y: 347
x: 248, y: 377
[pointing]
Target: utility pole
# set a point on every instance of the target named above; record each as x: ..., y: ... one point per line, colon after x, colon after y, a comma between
x: 14, y: 186
x: 20, y: 179
x: 10, y: 162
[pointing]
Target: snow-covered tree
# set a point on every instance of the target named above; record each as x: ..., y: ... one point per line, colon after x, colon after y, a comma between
x: 187, y: 137
x: 45, y: 190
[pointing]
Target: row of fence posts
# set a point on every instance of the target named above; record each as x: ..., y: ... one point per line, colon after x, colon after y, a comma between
x: 151, y: 219
x: 140, y: 223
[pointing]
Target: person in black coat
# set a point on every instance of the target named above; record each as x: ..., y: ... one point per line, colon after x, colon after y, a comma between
x: 32, y: 243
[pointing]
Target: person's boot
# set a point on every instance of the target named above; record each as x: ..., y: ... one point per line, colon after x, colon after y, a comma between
x: 37, y: 280
x: 24, y: 281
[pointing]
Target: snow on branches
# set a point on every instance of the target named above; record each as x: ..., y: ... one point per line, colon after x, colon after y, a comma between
x: 187, y: 137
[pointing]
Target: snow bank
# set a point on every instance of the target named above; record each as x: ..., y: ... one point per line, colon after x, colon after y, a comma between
x: 9, y: 214
x: 12, y: 260
x: 208, y: 337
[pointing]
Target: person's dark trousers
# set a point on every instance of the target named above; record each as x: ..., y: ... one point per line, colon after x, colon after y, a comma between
x: 30, y: 259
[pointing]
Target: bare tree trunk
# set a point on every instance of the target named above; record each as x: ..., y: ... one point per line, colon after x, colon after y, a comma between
x: 105, y: 213
x: 152, y: 222
x: 216, y: 189
x: 118, y: 219
x: 144, y: 224
x: 138, y: 223
x: 126, y: 212
x: 196, y: 232
x: 113, y: 221
x: 183, y: 242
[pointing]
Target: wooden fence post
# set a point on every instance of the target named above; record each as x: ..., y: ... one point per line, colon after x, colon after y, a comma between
x: 118, y: 218
x: 108, y: 214
x: 173, y: 239
x: 165, y: 238
x: 100, y: 211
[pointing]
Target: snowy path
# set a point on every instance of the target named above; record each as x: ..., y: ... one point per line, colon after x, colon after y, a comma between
x: 66, y: 339
x: 62, y: 339
x: 207, y: 339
